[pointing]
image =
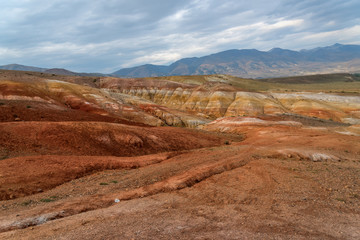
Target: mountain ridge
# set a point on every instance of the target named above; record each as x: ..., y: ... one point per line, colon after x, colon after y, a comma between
x: 247, y: 63
x: 56, y: 71
x: 253, y: 63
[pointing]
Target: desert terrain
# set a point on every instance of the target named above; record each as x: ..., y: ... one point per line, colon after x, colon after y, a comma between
x: 180, y: 157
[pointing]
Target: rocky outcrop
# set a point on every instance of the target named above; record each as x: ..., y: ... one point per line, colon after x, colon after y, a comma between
x: 76, y: 97
x: 159, y: 102
x: 215, y: 103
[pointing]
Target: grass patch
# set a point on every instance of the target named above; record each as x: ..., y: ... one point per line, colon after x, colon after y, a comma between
x: 47, y: 200
x: 104, y: 183
x: 114, y: 181
x: 28, y: 106
x: 340, y: 199
x: 354, y: 195
x: 4, y: 157
x: 26, y: 203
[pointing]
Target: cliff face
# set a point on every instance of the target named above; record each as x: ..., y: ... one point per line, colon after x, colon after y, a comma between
x: 219, y: 103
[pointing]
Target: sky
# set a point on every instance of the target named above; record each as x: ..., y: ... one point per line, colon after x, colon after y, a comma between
x: 107, y: 35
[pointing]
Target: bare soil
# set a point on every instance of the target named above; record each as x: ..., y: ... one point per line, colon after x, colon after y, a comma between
x: 87, y: 174
x: 22, y: 110
x: 265, y: 186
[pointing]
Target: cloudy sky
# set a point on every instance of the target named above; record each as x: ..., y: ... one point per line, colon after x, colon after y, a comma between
x: 106, y: 35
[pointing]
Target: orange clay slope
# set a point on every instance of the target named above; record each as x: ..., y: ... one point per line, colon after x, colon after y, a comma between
x: 97, y: 158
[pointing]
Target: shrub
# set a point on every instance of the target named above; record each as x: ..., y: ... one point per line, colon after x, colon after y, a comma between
x: 26, y: 203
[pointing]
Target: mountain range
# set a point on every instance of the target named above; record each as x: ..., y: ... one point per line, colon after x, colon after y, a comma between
x: 249, y: 63
x: 57, y: 71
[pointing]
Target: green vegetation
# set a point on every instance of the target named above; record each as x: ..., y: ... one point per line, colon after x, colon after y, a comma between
x: 26, y: 203
x: 50, y: 199
x: 114, y: 181
x: 46, y: 200
x: 313, y: 79
x: 104, y: 183
x: 340, y: 199
x: 354, y: 195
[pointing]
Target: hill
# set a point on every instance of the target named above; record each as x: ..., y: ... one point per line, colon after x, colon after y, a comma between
x: 18, y: 67
x: 57, y: 71
x: 179, y: 157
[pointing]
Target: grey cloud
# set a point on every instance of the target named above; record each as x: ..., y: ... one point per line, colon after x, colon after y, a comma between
x: 102, y: 36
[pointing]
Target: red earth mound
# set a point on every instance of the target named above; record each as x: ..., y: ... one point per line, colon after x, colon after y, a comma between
x: 22, y: 110
x: 270, y: 185
x: 40, y: 173
x: 70, y: 150
x: 96, y: 139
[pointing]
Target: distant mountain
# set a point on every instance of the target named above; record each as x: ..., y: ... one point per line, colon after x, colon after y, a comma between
x: 57, y: 71
x: 19, y: 67
x: 255, y: 64
x: 247, y: 63
x: 60, y: 71
x: 148, y: 70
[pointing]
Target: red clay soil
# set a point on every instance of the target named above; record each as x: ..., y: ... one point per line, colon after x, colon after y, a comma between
x: 87, y: 146
x: 56, y: 170
x: 267, y: 186
x: 69, y: 174
x: 24, y: 110
x: 96, y: 139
